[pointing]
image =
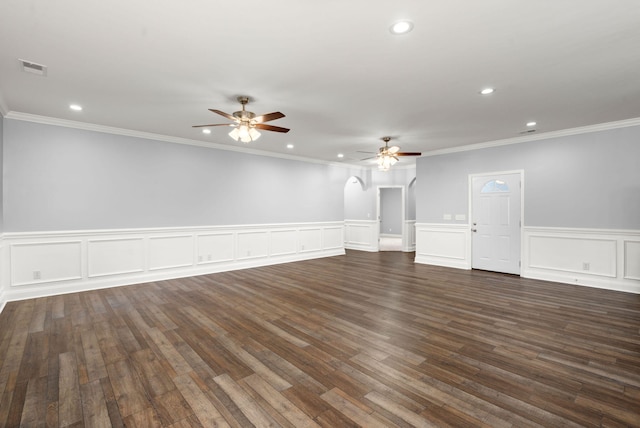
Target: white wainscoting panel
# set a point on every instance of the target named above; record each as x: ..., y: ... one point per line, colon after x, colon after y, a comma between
x: 333, y: 238
x: 593, y: 257
x: 578, y: 255
x: 216, y: 247
x: 253, y: 244
x: 167, y: 252
x: 115, y: 256
x: 45, y: 262
x: 443, y: 245
x: 409, y: 238
x: 42, y: 264
x: 310, y: 240
x: 632, y: 260
x: 283, y: 242
x: 361, y: 235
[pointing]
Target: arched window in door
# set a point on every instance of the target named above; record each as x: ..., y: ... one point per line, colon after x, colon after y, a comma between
x: 494, y: 186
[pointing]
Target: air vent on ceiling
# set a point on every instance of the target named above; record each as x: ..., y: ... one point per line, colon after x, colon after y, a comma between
x: 528, y: 131
x: 34, y: 68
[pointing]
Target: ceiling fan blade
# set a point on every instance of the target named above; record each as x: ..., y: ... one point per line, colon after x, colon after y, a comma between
x: 271, y: 127
x: 268, y: 117
x: 227, y: 115
x: 213, y: 124
x: 408, y: 154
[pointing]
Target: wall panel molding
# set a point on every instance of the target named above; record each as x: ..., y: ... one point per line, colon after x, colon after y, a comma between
x: 409, y: 238
x: 49, y: 263
x: 115, y: 256
x: 443, y: 245
x: 601, y: 258
x: 361, y: 235
x: 632, y: 259
x: 45, y: 262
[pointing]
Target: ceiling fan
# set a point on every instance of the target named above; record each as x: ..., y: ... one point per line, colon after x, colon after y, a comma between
x: 246, y: 123
x: 388, y: 156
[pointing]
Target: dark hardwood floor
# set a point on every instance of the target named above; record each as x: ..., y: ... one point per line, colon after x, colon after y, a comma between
x: 366, y: 339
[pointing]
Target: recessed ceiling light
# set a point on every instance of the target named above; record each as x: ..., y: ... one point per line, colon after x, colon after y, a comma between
x: 530, y: 124
x: 487, y: 91
x: 206, y: 131
x: 289, y: 146
x: 401, y: 27
x: 75, y: 107
x: 340, y: 155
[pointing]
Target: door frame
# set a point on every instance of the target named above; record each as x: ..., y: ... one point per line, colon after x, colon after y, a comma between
x: 378, y: 222
x: 469, y: 248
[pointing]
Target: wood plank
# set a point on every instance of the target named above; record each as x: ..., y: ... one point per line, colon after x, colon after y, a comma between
x: 94, y: 405
x: 244, y: 402
x: 354, y: 410
x: 283, y: 406
x: 70, y: 402
x: 127, y: 389
x: 205, y: 411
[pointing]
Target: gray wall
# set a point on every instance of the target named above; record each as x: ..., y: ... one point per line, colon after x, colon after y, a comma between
x: 391, y: 210
x: 60, y: 178
x: 580, y: 181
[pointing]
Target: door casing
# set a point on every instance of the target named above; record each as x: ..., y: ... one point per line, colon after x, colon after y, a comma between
x: 470, y: 217
x: 378, y: 213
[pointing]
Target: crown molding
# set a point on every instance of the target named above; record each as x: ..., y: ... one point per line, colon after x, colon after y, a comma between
x: 46, y: 120
x: 177, y: 140
x: 542, y: 136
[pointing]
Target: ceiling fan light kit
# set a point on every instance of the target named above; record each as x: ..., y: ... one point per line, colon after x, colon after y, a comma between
x: 388, y: 156
x: 385, y: 162
x: 244, y: 133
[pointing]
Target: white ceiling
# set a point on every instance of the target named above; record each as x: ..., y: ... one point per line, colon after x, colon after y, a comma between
x: 332, y: 67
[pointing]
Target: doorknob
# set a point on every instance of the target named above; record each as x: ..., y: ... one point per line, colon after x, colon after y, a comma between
x: 474, y: 230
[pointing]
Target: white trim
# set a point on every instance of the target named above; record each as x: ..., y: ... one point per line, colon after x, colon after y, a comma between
x: 541, y: 136
x: 153, y: 260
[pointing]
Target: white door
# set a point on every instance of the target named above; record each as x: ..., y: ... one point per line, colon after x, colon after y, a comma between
x: 496, y: 222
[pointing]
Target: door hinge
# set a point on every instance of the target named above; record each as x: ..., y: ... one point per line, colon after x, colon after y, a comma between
x: 519, y: 263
